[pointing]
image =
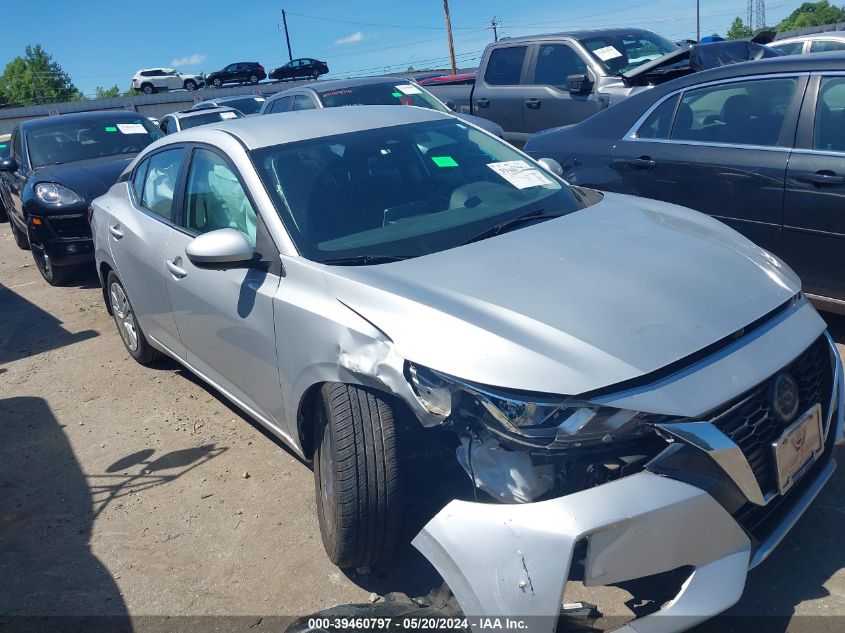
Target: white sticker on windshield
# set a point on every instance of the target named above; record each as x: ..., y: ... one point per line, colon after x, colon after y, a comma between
x: 228, y: 115
x: 520, y: 174
x: 408, y: 89
x: 132, y: 128
x: 606, y: 53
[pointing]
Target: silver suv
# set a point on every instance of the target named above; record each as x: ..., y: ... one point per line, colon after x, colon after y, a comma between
x: 631, y: 387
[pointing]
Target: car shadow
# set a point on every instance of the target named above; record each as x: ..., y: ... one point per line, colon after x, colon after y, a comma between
x: 28, y: 330
x: 48, y: 572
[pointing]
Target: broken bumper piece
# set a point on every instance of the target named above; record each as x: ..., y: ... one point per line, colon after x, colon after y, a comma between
x: 514, y: 560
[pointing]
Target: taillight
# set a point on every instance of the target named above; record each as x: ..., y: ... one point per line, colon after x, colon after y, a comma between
x: 261, y: 68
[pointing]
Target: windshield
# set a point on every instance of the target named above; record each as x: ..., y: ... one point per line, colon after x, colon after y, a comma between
x: 70, y: 141
x: 402, y: 191
x: 247, y: 105
x: 399, y: 93
x: 618, y: 54
x: 208, y: 117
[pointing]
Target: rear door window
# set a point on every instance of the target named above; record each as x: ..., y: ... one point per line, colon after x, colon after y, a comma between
x: 160, y: 182
x: 659, y: 122
x: 825, y: 46
x: 303, y: 102
x: 830, y: 116
x: 282, y: 104
x: 793, y: 48
x: 504, y: 68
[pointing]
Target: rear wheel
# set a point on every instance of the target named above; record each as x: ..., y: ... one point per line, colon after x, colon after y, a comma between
x: 190, y: 85
x: 217, y: 82
x: 53, y: 275
x: 253, y: 79
x: 148, y: 89
x: 127, y: 324
x: 356, y: 475
x: 20, y: 238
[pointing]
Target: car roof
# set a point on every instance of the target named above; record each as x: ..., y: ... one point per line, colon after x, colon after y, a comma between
x: 338, y: 84
x: 230, y: 98
x: 97, y: 115
x: 576, y: 34
x: 302, y: 125
x: 184, y: 114
x: 810, y: 36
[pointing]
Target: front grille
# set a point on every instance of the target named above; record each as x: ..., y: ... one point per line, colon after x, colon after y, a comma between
x: 749, y: 421
x: 70, y: 226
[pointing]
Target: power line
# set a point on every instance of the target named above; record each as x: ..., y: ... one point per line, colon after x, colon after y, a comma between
x: 379, y: 25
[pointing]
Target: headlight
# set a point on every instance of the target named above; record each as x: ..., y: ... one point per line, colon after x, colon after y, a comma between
x: 558, y: 421
x: 55, y: 194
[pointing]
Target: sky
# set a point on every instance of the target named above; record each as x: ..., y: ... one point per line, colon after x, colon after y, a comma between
x: 101, y: 43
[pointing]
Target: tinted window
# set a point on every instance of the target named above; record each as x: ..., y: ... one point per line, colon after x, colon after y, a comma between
x: 823, y: 46
x: 745, y: 113
x: 208, y: 117
x: 66, y: 141
x: 659, y: 122
x: 620, y: 53
x: 402, y: 190
x: 215, y: 199
x: 303, y: 102
x: 794, y: 48
x: 830, y: 116
x: 505, y: 66
x: 160, y: 182
x: 398, y: 93
x: 164, y: 126
x: 555, y: 62
x: 247, y: 105
x: 282, y: 104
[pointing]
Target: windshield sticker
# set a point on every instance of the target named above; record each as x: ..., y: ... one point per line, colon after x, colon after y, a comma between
x: 444, y: 161
x: 132, y: 128
x: 228, y: 115
x: 110, y: 128
x: 408, y: 89
x: 520, y: 174
x: 3, y: 146
x: 607, y: 53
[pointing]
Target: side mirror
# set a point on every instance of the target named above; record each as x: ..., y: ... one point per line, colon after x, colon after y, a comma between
x: 223, y: 246
x: 8, y: 164
x: 579, y: 84
x: 552, y: 165
x: 451, y: 105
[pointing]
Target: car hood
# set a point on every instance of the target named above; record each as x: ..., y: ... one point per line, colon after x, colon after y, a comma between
x: 89, y: 178
x: 600, y: 296
x: 484, y: 124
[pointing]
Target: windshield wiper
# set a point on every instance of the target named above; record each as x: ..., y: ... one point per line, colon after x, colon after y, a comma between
x: 365, y: 260
x: 512, y: 223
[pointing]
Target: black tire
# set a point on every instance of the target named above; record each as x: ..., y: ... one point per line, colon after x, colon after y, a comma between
x: 148, y: 89
x: 20, y: 238
x: 356, y: 475
x: 253, y: 79
x: 190, y: 85
x: 217, y: 83
x: 123, y: 315
x: 53, y: 275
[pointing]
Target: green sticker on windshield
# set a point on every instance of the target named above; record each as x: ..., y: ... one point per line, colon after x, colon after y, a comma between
x: 3, y: 146
x: 444, y: 161
x: 397, y: 94
x: 111, y: 128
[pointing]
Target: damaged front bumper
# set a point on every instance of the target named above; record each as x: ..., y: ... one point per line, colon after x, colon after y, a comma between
x: 514, y: 560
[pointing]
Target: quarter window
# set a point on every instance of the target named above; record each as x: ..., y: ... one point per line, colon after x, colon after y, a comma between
x: 160, y: 182
x: 215, y: 199
x: 505, y: 66
x: 659, y: 122
x: 555, y: 62
x: 740, y: 113
x: 830, y: 116
x: 824, y: 46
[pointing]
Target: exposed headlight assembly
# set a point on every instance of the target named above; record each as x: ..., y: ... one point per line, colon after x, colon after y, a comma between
x: 554, y: 422
x: 53, y: 194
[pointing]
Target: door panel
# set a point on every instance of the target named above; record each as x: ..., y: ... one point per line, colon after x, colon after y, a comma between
x: 498, y: 96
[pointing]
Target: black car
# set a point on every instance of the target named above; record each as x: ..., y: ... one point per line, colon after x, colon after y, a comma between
x: 58, y: 165
x: 238, y: 73
x: 305, y: 68
x: 759, y: 145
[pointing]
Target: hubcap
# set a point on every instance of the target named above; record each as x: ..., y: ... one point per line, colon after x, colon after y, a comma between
x: 123, y: 316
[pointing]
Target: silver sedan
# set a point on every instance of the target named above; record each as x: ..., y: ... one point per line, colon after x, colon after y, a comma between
x: 631, y: 387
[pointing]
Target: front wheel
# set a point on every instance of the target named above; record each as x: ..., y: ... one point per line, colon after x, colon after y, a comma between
x: 356, y: 475
x: 190, y: 85
x: 148, y: 89
x: 127, y: 324
x: 53, y: 275
x: 217, y: 82
x: 253, y: 79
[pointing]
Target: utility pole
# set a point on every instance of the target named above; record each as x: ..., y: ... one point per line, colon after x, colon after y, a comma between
x: 698, y: 21
x: 493, y: 25
x: 287, y: 35
x: 449, y: 34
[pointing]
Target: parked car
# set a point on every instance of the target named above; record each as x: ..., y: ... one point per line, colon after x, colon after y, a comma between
x: 366, y: 91
x: 5, y: 201
x: 185, y: 119
x: 239, y: 73
x: 815, y: 43
x: 464, y: 79
x: 58, y: 165
x: 247, y: 105
x: 305, y: 68
x: 759, y: 145
x: 365, y: 280
x: 152, y: 80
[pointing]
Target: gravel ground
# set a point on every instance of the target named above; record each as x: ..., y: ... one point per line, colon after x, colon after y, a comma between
x: 140, y: 491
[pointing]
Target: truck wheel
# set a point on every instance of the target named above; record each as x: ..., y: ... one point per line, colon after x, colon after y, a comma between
x: 148, y: 89
x: 356, y: 475
x: 127, y: 324
x: 20, y: 238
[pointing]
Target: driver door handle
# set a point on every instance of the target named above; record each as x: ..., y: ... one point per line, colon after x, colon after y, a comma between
x: 643, y: 162
x: 482, y: 103
x: 822, y: 178
x: 115, y: 230
x: 533, y: 103
x: 176, y: 270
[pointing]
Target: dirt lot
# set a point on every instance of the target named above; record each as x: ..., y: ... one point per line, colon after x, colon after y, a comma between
x: 132, y: 490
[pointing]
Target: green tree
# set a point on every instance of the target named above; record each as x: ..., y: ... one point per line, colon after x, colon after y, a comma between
x: 812, y: 14
x: 106, y: 93
x: 35, y: 78
x: 739, y: 30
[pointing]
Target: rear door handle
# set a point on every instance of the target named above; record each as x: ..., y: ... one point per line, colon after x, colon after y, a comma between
x: 643, y: 162
x: 115, y: 230
x: 175, y: 269
x: 533, y: 103
x: 482, y: 103
x: 822, y: 178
